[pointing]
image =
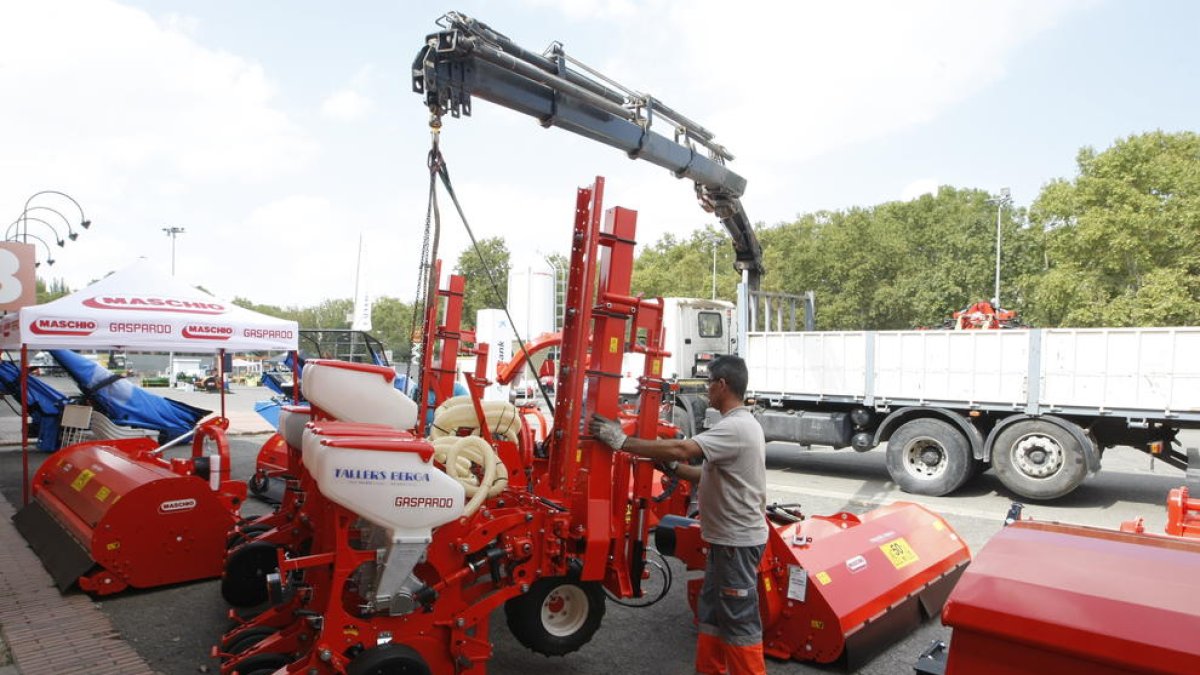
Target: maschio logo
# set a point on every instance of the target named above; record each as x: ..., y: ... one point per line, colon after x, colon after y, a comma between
x: 199, y: 331
x: 62, y: 327
x: 154, y: 304
x: 177, y: 505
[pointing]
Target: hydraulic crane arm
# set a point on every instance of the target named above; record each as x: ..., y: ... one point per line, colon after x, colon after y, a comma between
x: 467, y: 58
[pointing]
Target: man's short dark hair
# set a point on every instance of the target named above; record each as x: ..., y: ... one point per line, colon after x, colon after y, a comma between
x: 732, y: 369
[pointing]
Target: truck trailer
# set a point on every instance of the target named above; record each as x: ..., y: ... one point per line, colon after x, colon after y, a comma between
x: 1039, y: 406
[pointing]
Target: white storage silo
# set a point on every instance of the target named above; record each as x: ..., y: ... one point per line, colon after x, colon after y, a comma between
x: 531, y: 301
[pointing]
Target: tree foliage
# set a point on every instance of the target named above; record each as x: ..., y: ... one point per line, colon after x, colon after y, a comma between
x: 1117, y: 246
x: 480, y: 269
x: 1121, y: 239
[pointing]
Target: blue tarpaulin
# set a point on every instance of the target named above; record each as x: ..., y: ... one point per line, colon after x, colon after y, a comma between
x: 126, y: 404
x: 45, y: 403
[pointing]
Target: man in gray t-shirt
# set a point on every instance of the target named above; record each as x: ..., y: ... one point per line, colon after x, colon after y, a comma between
x: 733, y: 495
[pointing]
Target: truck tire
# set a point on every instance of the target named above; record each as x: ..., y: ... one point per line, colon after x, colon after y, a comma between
x: 1038, y: 460
x: 928, y: 457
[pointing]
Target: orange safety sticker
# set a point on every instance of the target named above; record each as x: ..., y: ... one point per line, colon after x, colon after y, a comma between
x: 103, y: 493
x: 113, y: 545
x: 899, y: 553
x: 823, y: 577
x: 613, y: 345
x: 82, y: 480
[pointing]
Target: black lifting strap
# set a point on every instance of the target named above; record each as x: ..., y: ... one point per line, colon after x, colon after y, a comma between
x: 437, y: 166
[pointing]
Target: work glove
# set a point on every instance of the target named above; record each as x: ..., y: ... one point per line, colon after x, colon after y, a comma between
x: 607, y: 431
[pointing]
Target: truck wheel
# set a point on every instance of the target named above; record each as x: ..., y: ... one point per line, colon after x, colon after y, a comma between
x: 681, y: 419
x: 928, y: 457
x: 557, y: 616
x: 1038, y: 460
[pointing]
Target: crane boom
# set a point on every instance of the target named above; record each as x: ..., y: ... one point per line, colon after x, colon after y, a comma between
x: 467, y: 58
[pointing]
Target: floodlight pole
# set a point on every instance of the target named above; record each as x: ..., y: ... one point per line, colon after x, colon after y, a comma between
x: 173, y: 232
x: 1005, y: 199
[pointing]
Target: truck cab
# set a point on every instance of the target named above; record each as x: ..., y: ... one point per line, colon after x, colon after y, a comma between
x: 697, y: 331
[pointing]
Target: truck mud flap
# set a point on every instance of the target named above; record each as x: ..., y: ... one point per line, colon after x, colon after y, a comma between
x: 62, y: 556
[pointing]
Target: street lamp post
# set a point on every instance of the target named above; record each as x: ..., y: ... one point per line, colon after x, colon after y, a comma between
x: 1005, y: 199
x: 713, y: 241
x: 173, y: 232
x: 10, y: 235
x: 83, y: 221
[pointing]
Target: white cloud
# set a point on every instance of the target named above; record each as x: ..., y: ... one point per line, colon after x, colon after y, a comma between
x: 134, y: 118
x: 922, y: 186
x: 346, y: 105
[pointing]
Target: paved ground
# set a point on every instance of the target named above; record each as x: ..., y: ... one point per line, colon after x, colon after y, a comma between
x: 173, y: 628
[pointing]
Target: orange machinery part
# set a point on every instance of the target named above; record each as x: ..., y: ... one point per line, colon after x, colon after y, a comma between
x: 843, y: 587
x: 1065, y: 599
x: 145, y: 521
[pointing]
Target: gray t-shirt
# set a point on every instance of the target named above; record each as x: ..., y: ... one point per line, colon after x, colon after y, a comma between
x: 733, y: 481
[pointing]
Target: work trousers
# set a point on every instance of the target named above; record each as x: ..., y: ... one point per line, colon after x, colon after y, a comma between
x: 730, y: 638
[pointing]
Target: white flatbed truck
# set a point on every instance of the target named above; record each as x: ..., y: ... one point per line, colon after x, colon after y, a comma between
x: 1039, y: 406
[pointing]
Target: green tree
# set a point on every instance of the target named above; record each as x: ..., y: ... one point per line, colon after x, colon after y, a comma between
x: 1122, y: 239
x: 49, y: 292
x: 480, y: 269
x: 391, y: 322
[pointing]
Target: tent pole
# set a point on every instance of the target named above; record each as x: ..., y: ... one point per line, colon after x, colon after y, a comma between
x: 221, y: 377
x: 24, y: 425
x: 296, y: 377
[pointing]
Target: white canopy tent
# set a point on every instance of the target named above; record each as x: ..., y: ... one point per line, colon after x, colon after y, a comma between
x: 139, y: 308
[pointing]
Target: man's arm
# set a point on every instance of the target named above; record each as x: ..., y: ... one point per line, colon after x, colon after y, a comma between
x: 679, y: 450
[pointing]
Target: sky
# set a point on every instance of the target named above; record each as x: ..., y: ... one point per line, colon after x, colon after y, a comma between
x: 277, y: 133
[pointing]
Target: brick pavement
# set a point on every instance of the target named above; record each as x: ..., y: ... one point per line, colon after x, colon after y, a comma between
x: 50, y: 633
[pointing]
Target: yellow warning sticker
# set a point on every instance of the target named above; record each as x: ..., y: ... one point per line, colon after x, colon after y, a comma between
x: 818, y: 624
x: 613, y: 345
x: 937, y: 525
x: 823, y: 577
x: 103, y: 493
x: 899, y: 552
x: 82, y: 480
x: 656, y: 367
x: 113, y: 545
x: 767, y: 583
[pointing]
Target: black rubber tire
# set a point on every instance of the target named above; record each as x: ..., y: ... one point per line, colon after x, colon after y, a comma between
x: 246, y: 640
x: 258, y: 483
x: 685, y: 422
x: 262, y: 664
x: 951, y: 469
x: 244, y: 580
x: 389, y: 659
x: 1066, y: 466
x: 524, y: 614
x: 244, y: 534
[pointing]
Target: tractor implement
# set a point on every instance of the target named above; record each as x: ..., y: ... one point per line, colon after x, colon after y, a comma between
x: 1046, y: 597
x: 840, y: 588
x: 113, y: 514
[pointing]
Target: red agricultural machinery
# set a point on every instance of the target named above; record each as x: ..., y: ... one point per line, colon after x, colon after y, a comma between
x: 391, y: 549
x: 1045, y: 597
x: 113, y: 514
